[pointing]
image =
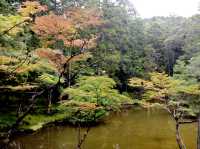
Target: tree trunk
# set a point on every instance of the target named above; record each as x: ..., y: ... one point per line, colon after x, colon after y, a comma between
x: 49, y: 102
x: 178, y: 137
x: 198, y: 135
x: 69, y: 75
x: 49, y: 107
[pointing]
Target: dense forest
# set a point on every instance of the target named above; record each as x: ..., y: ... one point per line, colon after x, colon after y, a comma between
x: 77, y: 61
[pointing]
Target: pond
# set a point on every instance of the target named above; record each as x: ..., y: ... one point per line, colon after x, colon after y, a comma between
x: 132, y: 129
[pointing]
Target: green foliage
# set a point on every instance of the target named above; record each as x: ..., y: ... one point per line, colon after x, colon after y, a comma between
x: 120, y: 45
x: 48, y: 79
x: 87, y: 116
x: 192, y: 68
x: 170, y: 92
x: 190, y: 73
x: 81, y: 112
x: 98, y: 90
x: 160, y: 87
x: 8, y: 7
x: 37, y: 121
x: 6, y: 120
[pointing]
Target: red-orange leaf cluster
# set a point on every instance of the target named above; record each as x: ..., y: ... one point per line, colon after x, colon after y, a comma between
x: 84, y: 17
x: 54, y: 57
x: 53, y: 26
x: 85, y: 43
x: 57, y: 59
x: 63, y: 27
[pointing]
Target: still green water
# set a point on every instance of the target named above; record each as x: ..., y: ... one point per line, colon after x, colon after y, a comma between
x: 131, y: 129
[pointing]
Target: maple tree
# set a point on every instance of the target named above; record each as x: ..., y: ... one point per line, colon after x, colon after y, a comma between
x: 53, y: 26
x: 68, y: 29
x: 17, y: 43
x: 96, y: 89
x: 84, y: 17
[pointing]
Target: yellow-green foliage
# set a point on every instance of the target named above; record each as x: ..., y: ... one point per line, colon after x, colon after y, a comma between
x: 96, y: 89
x: 190, y: 89
x: 48, y: 79
x: 7, y: 22
x: 5, y: 60
x: 102, y: 83
x: 160, y: 87
x: 31, y: 7
x: 20, y: 71
x: 40, y: 66
x: 82, y: 112
x: 19, y: 87
x: 35, y: 122
x: 79, y: 105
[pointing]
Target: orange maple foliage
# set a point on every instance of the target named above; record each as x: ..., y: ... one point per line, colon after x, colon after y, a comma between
x: 85, y: 43
x: 64, y: 27
x: 56, y: 58
x: 79, y: 57
x: 84, y: 17
x: 53, y: 26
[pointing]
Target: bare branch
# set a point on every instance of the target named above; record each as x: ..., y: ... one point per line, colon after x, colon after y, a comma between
x: 188, y: 122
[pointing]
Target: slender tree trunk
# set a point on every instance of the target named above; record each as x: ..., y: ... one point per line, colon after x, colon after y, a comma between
x: 178, y: 137
x: 198, y: 135
x: 49, y: 102
x: 49, y: 107
x: 69, y: 75
x: 19, y: 110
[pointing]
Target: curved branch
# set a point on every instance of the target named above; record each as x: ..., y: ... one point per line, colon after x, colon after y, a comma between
x: 14, y: 26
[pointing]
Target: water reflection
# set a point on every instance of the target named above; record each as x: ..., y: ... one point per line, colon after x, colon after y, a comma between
x: 133, y: 129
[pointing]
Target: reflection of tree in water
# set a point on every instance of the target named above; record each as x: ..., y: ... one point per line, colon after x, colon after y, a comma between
x: 13, y: 145
x: 82, y: 133
x: 81, y: 137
